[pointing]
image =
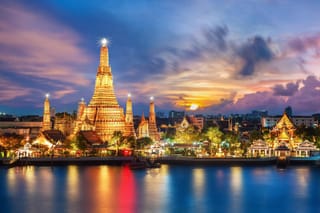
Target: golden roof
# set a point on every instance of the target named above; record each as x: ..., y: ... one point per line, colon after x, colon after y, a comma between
x: 285, y: 121
x: 284, y: 136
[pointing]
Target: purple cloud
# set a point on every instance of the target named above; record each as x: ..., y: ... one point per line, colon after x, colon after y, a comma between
x: 35, y: 48
x: 286, y: 90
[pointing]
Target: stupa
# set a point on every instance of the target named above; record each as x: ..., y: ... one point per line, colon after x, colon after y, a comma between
x: 149, y: 128
x: 129, y: 127
x: 103, y: 112
x: 153, y: 130
x: 46, y: 123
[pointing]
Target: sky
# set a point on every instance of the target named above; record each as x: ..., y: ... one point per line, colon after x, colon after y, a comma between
x: 224, y: 56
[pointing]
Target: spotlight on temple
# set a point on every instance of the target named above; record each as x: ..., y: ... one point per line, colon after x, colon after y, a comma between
x: 104, y: 42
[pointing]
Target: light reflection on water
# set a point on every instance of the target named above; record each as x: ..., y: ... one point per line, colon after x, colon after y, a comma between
x: 168, y: 189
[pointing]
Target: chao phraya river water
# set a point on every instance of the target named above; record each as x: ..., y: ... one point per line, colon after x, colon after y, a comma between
x: 168, y: 189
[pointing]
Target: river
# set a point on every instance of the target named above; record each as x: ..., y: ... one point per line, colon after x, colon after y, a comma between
x: 168, y: 189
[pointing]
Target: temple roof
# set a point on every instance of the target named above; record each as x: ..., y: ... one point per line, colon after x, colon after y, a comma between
x: 285, y: 121
x: 284, y: 136
x: 54, y: 135
x: 91, y: 137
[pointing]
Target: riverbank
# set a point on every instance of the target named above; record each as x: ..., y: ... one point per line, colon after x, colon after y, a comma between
x: 171, y: 160
x: 48, y: 161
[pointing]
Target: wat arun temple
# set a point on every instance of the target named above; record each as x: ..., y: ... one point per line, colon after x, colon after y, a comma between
x: 103, y: 115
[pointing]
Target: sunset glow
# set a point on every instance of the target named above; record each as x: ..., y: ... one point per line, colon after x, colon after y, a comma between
x: 224, y: 60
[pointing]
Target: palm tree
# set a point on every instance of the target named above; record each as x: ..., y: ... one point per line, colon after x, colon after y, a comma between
x: 116, y: 140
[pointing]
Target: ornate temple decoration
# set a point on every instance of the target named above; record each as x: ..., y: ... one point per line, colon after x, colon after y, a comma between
x: 143, y: 128
x: 46, y: 124
x: 153, y: 130
x: 129, y: 126
x: 284, y: 131
x: 149, y: 128
x: 103, y: 113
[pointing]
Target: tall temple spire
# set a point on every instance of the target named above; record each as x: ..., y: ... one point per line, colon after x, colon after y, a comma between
x: 153, y: 131
x: 81, y: 108
x: 46, y: 124
x: 152, y: 116
x: 129, y: 128
x: 143, y: 128
x: 103, y: 111
x: 104, y: 53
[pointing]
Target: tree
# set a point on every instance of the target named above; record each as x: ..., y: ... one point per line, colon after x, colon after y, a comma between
x: 214, y: 135
x: 142, y: 142
x: 79, y: 143
x: 116, y: 140
x: 11, y: 141
x: 233, y: 140
x: 130, y: 141
x: 255, y: 135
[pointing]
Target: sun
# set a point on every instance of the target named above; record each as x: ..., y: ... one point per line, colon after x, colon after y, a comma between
x: 194, y: 107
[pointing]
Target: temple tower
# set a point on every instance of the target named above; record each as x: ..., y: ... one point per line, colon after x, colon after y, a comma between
x: 46, y: 123
x: 81, y: 109
x: 143, y: 128
x: 103, y: 111
x: 129, y: 127
x: 153, y: 131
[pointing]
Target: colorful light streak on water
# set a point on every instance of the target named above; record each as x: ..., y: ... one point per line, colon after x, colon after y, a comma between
x: 168, y: 189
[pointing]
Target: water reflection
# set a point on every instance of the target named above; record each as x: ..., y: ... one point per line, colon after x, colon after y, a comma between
x: 168, y: 189
x: 236, y: 180
x: 72, y: 184
x: 127, y: 191
x: 303, y: 178
x: 156, y: 188
x: 198, y: 182
x: 104, y: 197
x: 11, y: 180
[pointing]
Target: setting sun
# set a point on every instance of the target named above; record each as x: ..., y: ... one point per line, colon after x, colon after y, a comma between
x: 194, y: 106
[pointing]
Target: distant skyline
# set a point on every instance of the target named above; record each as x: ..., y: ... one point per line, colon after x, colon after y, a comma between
x: 224, y: 56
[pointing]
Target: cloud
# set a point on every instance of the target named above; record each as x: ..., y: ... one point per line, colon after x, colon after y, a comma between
x: 10, y: 90
x: 303, y: 44
x: 286, y: 90
x: 35, y: 46
x: 254, y: 51
x: 217, y: 36
x: 61, y: 93
x: 305, y: 100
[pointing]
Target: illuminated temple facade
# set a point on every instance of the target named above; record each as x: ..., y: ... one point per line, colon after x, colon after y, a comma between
x: 284, y: 144
x: 103, y: 113
x: 149, y: 128
x: 46, y: 124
